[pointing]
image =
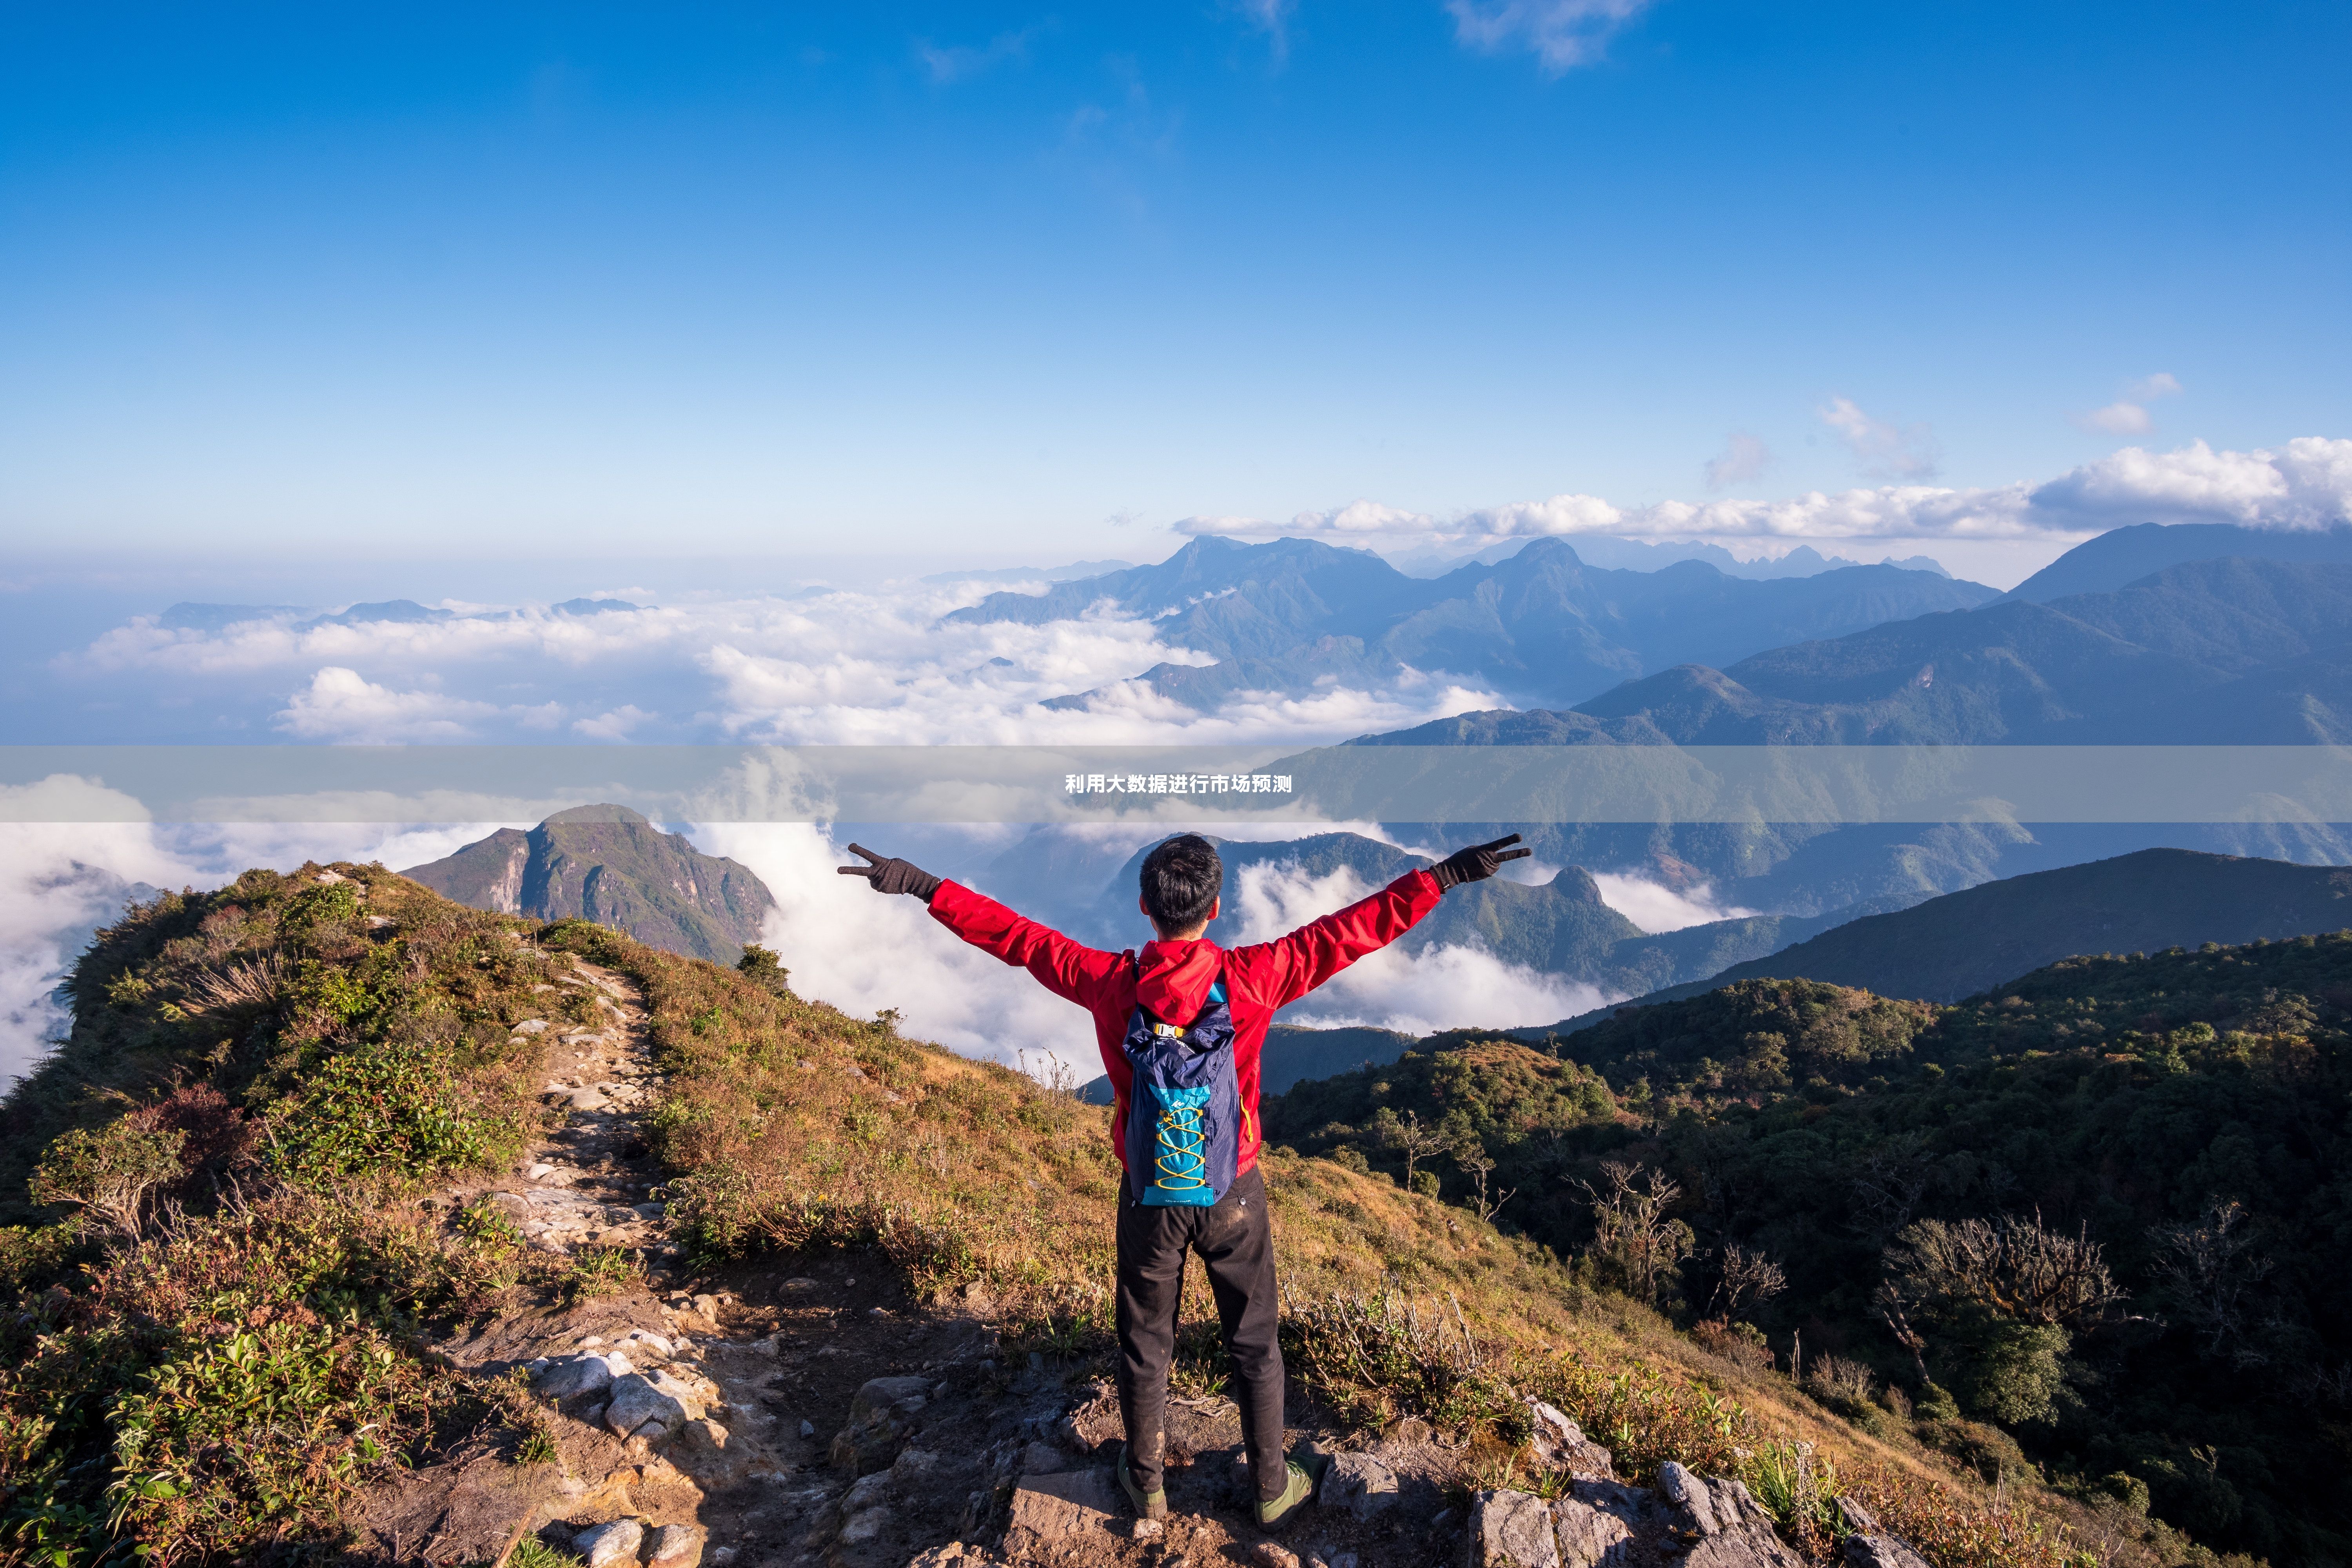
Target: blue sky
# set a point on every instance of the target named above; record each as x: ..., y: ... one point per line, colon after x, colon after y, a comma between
x: 429, y: 283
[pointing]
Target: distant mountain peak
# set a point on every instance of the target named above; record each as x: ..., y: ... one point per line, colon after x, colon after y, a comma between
x: 612, y: 865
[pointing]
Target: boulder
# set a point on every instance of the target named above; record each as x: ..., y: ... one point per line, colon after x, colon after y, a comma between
x: 1589, y: 1537
x: 1561, y: 1442
x: 676, y: 1546
x: 867, y: 1493
x: 1868, y: 1546
x: 881, y: 1413
x: 914, y: 1466
x: 1733, y: 1529
x: 569, y: 1379
x: 1360, y: 1484
x: 1050, y: 1511
x: 637, y: 1403
x: 1511, y: 1530
x: 610, y: 1543
x: 867, y: 1525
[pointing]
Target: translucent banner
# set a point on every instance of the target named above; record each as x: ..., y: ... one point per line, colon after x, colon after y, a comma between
x: 1588, y: 784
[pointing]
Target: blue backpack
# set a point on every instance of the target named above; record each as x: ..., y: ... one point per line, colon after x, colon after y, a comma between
x: 1184, y: 1106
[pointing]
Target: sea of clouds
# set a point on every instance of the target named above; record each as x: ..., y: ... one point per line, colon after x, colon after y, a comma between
x: 840, y: 666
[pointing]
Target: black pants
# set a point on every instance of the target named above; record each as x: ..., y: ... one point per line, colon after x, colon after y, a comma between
x: 1236, y: 1244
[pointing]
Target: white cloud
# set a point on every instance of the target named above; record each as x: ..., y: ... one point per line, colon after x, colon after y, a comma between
x: 339, y: 705
x: 1656, y: 908
x: 1438, y: 988
x: 71, y: 849
x: 1744, y: 457
x: 2116, y: 419
x: 2129, y: 415
x: 1561, y: 33
x: 836, y: 668
x: 2305, y: 483
x: 862, y: 953
x: 1885, y: 450
x: 957, y: 62
x: 1270, y: 17
x: 615, y: 725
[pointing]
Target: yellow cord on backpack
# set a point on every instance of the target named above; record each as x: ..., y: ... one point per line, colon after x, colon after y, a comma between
x: 1183, y: 1160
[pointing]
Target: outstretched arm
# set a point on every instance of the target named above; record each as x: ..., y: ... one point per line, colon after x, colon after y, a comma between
x: 1288, y: 968
x: 1068, y: 968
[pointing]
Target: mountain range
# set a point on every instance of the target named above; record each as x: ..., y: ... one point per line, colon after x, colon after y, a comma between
x: 1541, y: 625
x: 205, y: 617
x: 1946, y: 949
x: 610, y: 865
x: 1956, y: 946
x: 1563, y: 926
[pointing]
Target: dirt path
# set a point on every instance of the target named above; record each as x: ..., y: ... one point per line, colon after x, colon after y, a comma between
x: 793, y: 1412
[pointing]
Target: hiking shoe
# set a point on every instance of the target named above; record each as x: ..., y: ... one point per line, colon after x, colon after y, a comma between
x: 1298, y: 1489
x: 1147, y: 1505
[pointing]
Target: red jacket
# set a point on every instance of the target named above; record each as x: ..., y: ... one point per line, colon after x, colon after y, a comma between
x: 1172, y: 978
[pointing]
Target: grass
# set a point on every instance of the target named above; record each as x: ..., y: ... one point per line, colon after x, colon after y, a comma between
x: 216, y: 1329
x: 790, y: 1125
x: 227, y: 1381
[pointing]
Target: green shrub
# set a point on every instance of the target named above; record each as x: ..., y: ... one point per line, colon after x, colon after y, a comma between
x: 396, y: 1112
x: 108, y: 1172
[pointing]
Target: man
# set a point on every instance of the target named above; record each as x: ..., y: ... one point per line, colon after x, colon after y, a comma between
x: 1174, y: 981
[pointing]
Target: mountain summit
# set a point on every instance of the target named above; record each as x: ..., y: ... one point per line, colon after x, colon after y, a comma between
x: 608, y: 863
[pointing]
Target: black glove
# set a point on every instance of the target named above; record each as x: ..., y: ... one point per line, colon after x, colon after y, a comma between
x: 890, y: 876
x: 1474, y: 864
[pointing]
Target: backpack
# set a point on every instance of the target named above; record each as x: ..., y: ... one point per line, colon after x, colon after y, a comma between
x: 1184, y: 1106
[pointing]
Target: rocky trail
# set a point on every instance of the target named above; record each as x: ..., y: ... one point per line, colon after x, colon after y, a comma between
x: 788, y: 1413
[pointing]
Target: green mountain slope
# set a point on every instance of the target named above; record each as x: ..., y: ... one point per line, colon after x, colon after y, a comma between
x: 1955, y: 1197
x: 610, y: 865
x: 1966, y: 943
x: 317, y: 1069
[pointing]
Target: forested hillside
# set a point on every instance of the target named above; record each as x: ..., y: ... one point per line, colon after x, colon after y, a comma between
x: 2087, y: 1226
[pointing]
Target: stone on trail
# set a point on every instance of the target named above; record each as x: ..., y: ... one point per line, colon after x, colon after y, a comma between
x: 914, y: 1466
x: 866, y: 1493
x: 570, y: 1379
x: 610, y: 1543
x: 1359, y: 1483
x: 636, y: 1403
x: 1048, y: 1512
x: 1272, y: 1554
x: 864, y: 1527
x: 676, y: 1546
x: 881, y: 1413
x: 1511, y: 1530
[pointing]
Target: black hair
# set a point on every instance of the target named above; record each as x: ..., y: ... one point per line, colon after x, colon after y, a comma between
x: 1181, y: 880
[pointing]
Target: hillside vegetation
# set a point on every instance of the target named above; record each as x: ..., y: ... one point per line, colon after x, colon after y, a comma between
x: 237, y: 1241
x: 2084, y: 1228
